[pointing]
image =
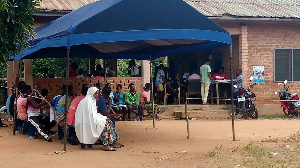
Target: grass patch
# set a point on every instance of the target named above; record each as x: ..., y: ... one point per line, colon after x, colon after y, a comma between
x: 272, y: 116
x: 214, y: 152
x: 294, y: 137
x: 254, y: 150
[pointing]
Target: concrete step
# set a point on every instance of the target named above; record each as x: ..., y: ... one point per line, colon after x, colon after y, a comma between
x: 203, y: 114
x: 197, y: 111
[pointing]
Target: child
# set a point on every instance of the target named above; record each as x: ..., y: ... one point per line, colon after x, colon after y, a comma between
x: 147, y: 105
x: 119, y: 99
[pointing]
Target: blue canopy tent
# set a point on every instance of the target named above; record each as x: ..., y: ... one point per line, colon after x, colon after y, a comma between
x: 126, y: 29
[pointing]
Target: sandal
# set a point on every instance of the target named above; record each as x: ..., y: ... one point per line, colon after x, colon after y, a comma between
x: 108, y: 148
x: 3, y: 125
x: 117, y: 145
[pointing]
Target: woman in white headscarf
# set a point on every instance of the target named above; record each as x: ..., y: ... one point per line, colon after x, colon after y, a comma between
x: 90, y: 125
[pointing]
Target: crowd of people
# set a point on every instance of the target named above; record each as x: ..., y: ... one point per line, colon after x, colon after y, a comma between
x: 91, y: 116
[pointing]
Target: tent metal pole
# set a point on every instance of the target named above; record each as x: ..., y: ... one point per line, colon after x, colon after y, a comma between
x: 152, y: 94
x: 67, y: 98
x: 232, y: 109
x: 104, y: 71
x: 187, y: 118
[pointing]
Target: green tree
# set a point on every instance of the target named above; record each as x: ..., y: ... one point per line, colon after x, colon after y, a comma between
x: 16, y: 21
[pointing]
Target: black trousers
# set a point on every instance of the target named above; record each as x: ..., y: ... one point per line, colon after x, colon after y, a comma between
x: 43, y: 125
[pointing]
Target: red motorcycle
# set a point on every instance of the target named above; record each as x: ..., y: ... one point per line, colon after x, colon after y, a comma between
x: 289, y: 102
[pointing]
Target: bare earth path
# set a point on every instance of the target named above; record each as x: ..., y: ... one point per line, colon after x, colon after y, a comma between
x: 164, y: 146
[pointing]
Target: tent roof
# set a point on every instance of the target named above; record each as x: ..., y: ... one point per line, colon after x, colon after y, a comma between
x: 127, y: 29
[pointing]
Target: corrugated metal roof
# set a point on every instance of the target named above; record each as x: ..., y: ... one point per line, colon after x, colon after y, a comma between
x: 239, y: 8
x: 63, y: 5
x: 248, y: 8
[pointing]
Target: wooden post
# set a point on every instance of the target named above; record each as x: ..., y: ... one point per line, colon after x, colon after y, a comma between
x: 28, y: 72
x: 17, y: 78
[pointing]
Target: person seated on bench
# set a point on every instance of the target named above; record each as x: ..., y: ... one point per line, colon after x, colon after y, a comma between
x: 104, y: 105
x: 220, y: 76
x: 147, y: 105
x: 91, y: 126
x: 133, y: 103
x: 119, y: 99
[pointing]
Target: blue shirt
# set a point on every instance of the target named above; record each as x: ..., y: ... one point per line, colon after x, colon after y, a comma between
x: 55, y: 100
x: 101, y: 104
x: 238, y: 83
x: 8, y: 104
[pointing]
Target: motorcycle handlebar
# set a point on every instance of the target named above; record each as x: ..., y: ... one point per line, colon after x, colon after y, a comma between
x: 252, y: 85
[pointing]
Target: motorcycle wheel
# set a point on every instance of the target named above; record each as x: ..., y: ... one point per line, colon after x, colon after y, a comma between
x: 244, y: 111
x: 287, y: 114
x: 254, y: 112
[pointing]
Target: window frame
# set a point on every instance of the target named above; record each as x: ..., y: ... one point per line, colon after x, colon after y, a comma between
x: 292, y: 65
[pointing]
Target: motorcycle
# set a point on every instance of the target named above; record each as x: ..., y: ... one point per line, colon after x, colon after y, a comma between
x: 245, y: 102
x: 289, y: 102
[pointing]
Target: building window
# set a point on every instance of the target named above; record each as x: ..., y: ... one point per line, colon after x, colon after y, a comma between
x: 287, y: 65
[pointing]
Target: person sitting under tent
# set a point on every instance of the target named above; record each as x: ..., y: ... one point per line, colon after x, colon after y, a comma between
x: 10, y: 109
x: 173, y: 86
x: 159, y: 83
x: 73, y: 70
x: 60, y: 110
x: 54, y: 103
x: 104, y: 105
x: 36, y: 117
x: 133, y: 103
x: 220, y: 75
x: 71, y: 115
x: 119, y: 99
x: 147, y: 105
x: 91, y: 125
x: 133, y: 70
x: 99, y: 72
x: 18, y: 122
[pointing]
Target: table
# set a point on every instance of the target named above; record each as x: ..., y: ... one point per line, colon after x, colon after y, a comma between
x: 217, y: 87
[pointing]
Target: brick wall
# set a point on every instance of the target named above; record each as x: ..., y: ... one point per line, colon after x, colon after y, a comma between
x: 261, y: 41
x: 54, y: 84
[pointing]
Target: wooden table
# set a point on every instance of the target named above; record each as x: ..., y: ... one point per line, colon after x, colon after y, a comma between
x: 217, y: 88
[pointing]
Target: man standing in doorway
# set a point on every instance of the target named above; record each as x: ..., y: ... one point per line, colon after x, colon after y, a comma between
x: 205, y: 73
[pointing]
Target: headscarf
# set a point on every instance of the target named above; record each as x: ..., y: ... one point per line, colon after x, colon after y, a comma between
x: 88, y: 123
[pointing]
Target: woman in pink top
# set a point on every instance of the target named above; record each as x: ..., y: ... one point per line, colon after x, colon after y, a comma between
x: 71, y: 115
x: 147, y: 104
x: 22, y: 108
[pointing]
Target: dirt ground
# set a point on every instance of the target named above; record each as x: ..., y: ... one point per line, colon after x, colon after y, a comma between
x: 163, y: 146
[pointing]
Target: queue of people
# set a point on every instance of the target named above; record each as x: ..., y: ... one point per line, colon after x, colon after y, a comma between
x: 91, y: 116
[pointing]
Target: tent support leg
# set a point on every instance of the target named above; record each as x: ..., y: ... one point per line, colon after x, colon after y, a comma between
x: 104, y: 62
x: 187, y: 118
x: 67, y: 96
x: 232, y: 109
x: 152, y: 94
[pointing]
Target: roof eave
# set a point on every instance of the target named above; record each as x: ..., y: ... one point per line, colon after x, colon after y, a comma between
x: 51, y: 13
x: 252, y: 18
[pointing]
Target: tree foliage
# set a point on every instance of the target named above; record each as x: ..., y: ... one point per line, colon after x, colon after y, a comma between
x: 16, y: 21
